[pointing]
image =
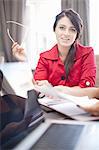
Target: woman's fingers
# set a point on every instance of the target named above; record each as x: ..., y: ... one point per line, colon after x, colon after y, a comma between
x: 18, y: 52
x: 93, y: 109
x: 14, y: 44
x: 15, y: 48
x: 33, y: 80
x: 42, y: 82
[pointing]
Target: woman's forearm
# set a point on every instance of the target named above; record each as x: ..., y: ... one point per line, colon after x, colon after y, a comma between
x: 91, y: 92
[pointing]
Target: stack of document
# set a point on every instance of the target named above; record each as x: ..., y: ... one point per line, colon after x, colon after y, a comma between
x: 66, y: 104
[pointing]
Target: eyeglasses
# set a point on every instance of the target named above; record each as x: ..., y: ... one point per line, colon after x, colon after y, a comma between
x: 19, y: 24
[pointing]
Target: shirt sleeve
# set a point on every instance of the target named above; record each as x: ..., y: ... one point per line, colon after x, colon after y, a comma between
x: 88, y: 74
x: 41, y: 72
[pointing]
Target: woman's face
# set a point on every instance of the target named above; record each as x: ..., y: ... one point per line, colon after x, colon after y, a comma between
x: 65, y: 32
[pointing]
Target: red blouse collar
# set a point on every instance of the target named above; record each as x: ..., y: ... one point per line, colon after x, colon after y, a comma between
x: 52, y: 54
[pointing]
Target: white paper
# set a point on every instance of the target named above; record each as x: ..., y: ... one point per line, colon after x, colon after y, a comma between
x: 63, y: 98
x: 67, y: 108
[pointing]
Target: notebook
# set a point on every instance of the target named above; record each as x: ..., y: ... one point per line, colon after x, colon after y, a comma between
x: 62, y: 135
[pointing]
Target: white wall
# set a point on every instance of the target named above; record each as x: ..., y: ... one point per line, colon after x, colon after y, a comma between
x: 40, y: 19
x: 94, y: 25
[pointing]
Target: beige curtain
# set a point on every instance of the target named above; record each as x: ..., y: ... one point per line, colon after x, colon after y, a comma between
x: 82, y: 7
x: 10, y: 10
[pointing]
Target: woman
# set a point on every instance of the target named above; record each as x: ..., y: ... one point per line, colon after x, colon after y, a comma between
x: 68, y: 63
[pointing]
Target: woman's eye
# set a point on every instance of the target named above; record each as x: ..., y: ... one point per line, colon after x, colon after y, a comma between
x: 62, y: 28
x: 73, y: 29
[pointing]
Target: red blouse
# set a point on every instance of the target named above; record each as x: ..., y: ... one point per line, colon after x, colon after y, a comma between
x: 51, y: 68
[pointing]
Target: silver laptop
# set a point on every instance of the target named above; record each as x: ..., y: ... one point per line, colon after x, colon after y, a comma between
x: 62, y: 135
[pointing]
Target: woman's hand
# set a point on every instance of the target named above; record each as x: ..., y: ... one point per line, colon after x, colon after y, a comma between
x: 39, y: 84
x: 93, y: 109
x: 18, y: 52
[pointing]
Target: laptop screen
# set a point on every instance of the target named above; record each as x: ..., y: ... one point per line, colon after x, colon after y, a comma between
x: 18, y: 115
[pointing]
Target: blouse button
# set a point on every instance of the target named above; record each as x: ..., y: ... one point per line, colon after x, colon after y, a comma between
x: 87, y: 83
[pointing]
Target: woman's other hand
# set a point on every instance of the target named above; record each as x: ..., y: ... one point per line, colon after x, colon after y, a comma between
x: 18, y: 52
x: 93, y: 109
